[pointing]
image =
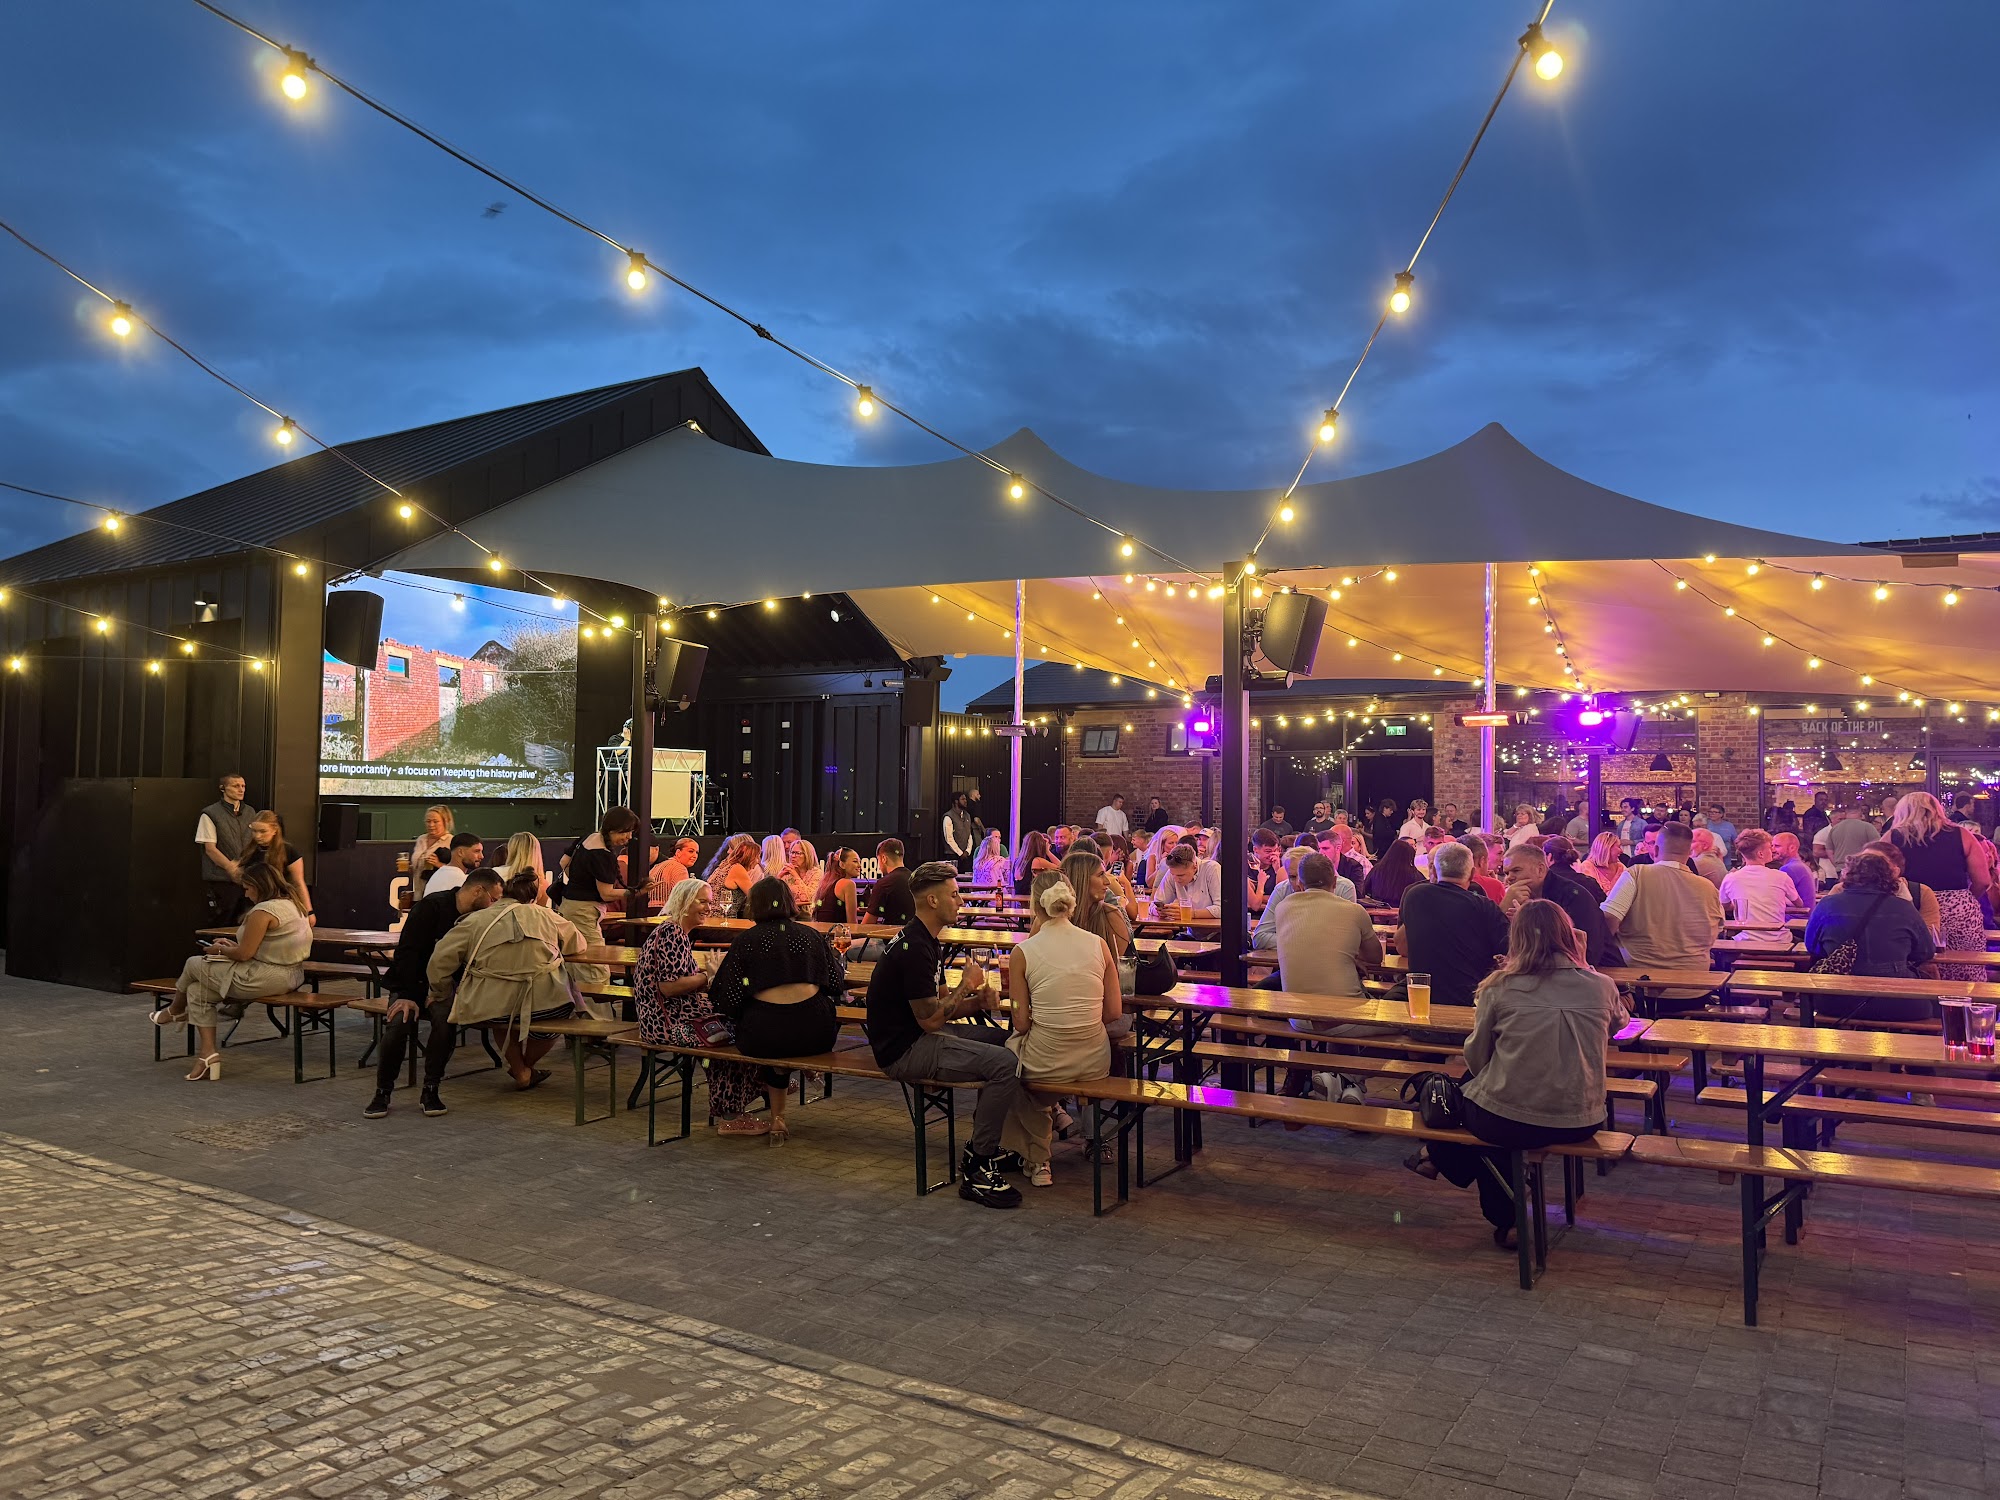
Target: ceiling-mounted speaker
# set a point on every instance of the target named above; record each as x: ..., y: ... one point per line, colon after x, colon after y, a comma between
x: 1292, y: 625
x: 677, y: 671
x: 353, y: 628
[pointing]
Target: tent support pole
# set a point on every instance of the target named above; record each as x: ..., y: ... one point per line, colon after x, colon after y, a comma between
x: 639, y: 767
x: 1489, y: 790
x: 1235, y: 789
x: 1014, y: 744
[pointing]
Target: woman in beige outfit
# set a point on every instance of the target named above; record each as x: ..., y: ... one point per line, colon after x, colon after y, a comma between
x: 1064, y: 986
x: 265, y: 958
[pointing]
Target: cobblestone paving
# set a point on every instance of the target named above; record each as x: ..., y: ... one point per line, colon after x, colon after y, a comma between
x: 1296, y: 1303
x: 166, y: 1340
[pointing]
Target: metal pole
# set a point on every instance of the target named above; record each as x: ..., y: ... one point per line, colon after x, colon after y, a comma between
x: 1235, y: 710
x: 1014, y: 744
x: 639, y: 768
x: 1488, y: 790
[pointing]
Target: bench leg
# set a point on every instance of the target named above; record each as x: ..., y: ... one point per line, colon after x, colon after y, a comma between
x: 1097, y: 1159
x: 1538, y: 1210
x: 1524, y: 1232
x: 1572, y: 1187
x: 1753, y: 1233
x: 687, y: 1097
x: 298, y: 1051
x: 639, y: 1083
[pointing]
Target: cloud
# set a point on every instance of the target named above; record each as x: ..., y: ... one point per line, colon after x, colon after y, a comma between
x: 1972, y: 506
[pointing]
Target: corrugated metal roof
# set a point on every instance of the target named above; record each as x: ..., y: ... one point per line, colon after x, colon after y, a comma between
x: 263, y: 509
x: 1051, y: 684
x: 1961, y: 541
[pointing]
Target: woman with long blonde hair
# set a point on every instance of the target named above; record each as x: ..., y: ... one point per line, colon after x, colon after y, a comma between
x: 1537, y: 1057
x: 1946, y: 857
x: 801, y: 875
x: 524, y: 854
x: 1603, y: 864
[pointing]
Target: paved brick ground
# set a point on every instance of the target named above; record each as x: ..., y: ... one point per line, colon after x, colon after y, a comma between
x: 1297, y: 1303
x: 167, y: 1340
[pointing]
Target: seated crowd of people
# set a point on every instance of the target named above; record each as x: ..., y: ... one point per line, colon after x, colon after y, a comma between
x: 1518, y: 924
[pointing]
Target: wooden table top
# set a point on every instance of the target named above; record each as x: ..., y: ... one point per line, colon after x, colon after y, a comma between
x: 1863, y: 984
x: 1812, y: 1043
x: 1285, y: 1005
x: 339, y: 937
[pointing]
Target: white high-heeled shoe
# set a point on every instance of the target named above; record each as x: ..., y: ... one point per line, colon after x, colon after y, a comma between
x: 211, y: 1067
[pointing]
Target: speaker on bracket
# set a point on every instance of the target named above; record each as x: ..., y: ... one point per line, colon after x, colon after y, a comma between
x: 677, y: 671
x: 353, y: 629
x: 1292, y: 625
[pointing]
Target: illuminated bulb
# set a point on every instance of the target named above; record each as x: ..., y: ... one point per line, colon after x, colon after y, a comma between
x: 1116, y: 679
x: 1437, y: 671
x: 1215, y: 591
x: 1285, y: 513
x: 1352, y: 642
x: 121, y: 319
x: 667, y: 626
x: 1329, y: 425
x: 187, y: 648
x: 1256, y: 592
x: 1397, y: 657
x: 1753, y: 710
x: 1952, y: 708
x: 1125, y: 549
x: 1120, y: 619
x: 405, y: 512
x: 496, y: 564
x: 1170, y: 591
x: 1708, y: 557
x: 1333, y: 593
x: 558, y: 602
x: 864, y: 401
x: 14, y: 665
x: 458, y: 602
x: 256, y: 664
x: 1250, y: 568
x: 1389, y: 575
x: 968, y: 614
x: 1950, y: 597
x: 1017, y: 490
x: 292, y: 82
x: 1152, y: 585
x: 112, y: 521
x: 1730, y: 611
x: 1548, y: 61
x: 714, y: 614
x: 1881, y: 592
x: 299, y: 568
x: 1151, y: 663
x: 1534, y: 572
x: 1770, y: 640
x: 1399, y: 299
x: 1680, y: 583
x: 153, y: 667
x: 1534, y: 598
x: 619, y: 621
x: 1861, y: 707
x: 1754, y: 569
x: 287, y: 430
x: 1152, y: 692
x: 934, y: 598
x: 1812, y: 663
x: 635, y: 271
x: 1818, y: 582
x: 103, y: 625
x: 1548, y: 629
x: 773, y: 604
x: 1128, y: 577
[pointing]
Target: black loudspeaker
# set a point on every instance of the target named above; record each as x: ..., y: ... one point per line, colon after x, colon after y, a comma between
x: 677, y: 671
x: 1292, y: 624
x: 920, y: 703
x: 339, y: 824
x: 354, y: 628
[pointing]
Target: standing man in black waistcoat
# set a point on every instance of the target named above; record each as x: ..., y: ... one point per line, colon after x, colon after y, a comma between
x: 223, y: 833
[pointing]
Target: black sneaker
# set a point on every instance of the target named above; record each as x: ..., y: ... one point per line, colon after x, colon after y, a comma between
x: 429, y: 1102
x: 378, y: 1106
x: 1008, y: 1161
x: 980, y: 1182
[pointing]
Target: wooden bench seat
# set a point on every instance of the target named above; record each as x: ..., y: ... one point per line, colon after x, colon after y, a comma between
x: 1800, y: 1170
x: 1949, y: 1084
x: 1127, y: 1099
x: 318, y: 973
x: 303, y: 1008
x: 1837, y: 1110
x: 929, y: 1101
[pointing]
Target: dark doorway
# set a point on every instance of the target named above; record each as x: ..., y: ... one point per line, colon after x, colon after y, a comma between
x: 1397, y: 778
x: 1293, y: 785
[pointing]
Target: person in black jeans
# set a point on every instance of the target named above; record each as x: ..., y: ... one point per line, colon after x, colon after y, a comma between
x: 429, y: 920
x: 778, y: 984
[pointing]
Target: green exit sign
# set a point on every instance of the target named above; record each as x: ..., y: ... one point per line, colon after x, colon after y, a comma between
x: 1395, y: 729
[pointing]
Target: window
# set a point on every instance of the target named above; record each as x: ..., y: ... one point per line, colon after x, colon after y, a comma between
x: 447, y: 676
x: 396, y: 666
x: 486, y: 681
x: 1100, y: 743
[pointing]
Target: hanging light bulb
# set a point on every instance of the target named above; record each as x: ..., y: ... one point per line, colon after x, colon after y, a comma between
x: 1399, y: 299
x: 1329, y: 425
x: 1548, y: 61
x: 299, y: 568
x: 112, y: 520
x: 103, y: 625
x: 1950, y: 598
x: 1016, y: 489
x: 493, y: 561
x: 153, y: 667
x: 405, y: 512
x: 1755, y: 568
x: 1285, y: 512
x: 1125, y: 549
x: 287, y: 430
x: 1881, y: 592
x: 1680, y: 584
x: 292, y: 82
x: 187, y: 648
x: 121, y: 319
x: 635, y: 270
x: 1152, y: 585
x: 1818, y: 582
x: 864, y: 401
x: 1215, y: 591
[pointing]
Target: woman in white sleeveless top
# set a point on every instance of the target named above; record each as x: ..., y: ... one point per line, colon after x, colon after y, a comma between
x: 1063, y: 983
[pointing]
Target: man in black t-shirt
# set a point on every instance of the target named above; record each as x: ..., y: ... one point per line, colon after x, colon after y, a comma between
x: 423, y: 929
x: 889, y: 900
x: 1449, y: 930
x: 1322, y: 820
x: 908, y: 1030
x: 1276, y: 824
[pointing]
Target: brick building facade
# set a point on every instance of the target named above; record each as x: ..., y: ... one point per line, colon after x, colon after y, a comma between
x: 1142, y: 768
x: 410, y: 691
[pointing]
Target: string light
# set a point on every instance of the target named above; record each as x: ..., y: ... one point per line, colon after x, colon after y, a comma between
x: 1329, y: 425
x: 635, y: 272
x: 405, y: 511
x: 292, y: 81
x: 864, y: 401
x: 300, y: 569
x: 1126, y: 547
x: 458, y: 602
x: 153, y: 667
x: 1016, y: 489
x: 495, y: 563
x: 187, y: 648
x: 1881, y: 592
x: 1548, y: 61
x: 1950, y: 598
x: 287, y: 430
x: 1285, y: 514
x: 1399, y: 299
x: 112, y: 520
x: 121, y: 319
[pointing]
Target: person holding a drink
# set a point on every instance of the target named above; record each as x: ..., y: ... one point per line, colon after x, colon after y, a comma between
x: 1537, y: 1058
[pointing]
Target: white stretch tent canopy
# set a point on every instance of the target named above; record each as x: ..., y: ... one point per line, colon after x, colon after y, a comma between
x: 698, y: 521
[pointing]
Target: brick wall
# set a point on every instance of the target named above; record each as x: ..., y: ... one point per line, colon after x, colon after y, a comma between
x: 1455, y: 760
x: 1141, y: 770
x: 1729, y: 760
x: 402, y: 705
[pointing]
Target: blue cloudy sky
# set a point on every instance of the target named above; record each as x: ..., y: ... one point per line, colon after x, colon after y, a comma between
x: 420, y: 611
x: 1739, y: 261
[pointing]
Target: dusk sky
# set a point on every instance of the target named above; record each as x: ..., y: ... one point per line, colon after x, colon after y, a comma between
x: 1739, y: 260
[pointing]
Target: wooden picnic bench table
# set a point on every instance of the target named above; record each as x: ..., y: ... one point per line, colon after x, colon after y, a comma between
x: 1807, y: 988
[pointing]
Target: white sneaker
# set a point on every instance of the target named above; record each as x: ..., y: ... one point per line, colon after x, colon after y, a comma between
x: 1352, y: 1092
x: 1325, y: 1086
x: 1041, y: 1176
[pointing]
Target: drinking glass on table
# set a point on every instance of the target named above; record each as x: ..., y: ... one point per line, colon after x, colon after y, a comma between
x: 1979, y: 1017
x: 1419, y: 987
x: 1956, y: 1023
x: 840, y: 937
